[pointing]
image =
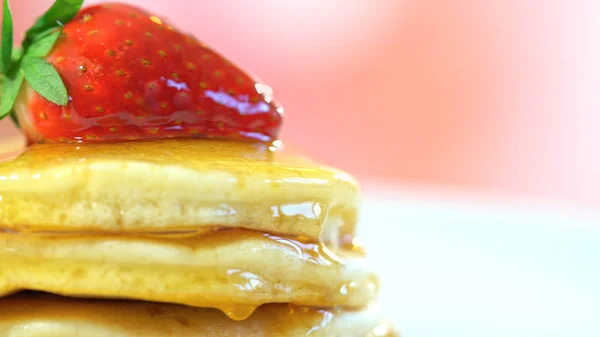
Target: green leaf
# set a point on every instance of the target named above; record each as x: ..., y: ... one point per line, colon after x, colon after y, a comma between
x: 43, y: 78
x: 16, y: 54
x: 42, y: 46
x: 61, y: 12
x: 7, y: 37
x: 10, y: 91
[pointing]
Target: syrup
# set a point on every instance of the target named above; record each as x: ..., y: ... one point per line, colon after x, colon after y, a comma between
x: 202, y: 271
x: 90, y: 317
x: 173, y: 185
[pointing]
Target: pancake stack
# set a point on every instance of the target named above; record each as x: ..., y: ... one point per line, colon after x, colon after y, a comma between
x: 180, y: 238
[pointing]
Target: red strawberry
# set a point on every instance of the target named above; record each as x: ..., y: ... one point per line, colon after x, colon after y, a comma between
x: 130, y: 75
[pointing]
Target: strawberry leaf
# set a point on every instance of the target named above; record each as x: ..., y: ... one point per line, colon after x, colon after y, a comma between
x: 17, y: 53
x: 10, y: 91
x: 26, y: 63
x: 7, y: 37
x: 42, y: 46
x: 43, y: 78
x: 61, y: 12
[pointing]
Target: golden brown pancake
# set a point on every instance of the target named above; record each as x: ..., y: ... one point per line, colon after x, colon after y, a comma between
x: 42, y: 315
x: 233, y: 270
x: 173, y: 185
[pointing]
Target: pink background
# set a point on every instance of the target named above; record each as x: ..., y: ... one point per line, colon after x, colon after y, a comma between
x: 499, y: 95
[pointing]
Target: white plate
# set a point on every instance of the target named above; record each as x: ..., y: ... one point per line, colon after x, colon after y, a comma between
x: 457, y: 266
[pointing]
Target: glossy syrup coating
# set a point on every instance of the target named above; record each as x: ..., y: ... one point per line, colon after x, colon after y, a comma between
x: 235, y: 270
x: 173, y: 185
x: 130, y: 75
x: 41, y: 315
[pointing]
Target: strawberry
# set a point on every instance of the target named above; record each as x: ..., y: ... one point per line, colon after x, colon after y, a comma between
x: 114, y: 72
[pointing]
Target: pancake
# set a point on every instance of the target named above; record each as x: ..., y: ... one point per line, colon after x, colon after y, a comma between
x: 176, y: 185
x: 233, y: 270
x: 42, y: 315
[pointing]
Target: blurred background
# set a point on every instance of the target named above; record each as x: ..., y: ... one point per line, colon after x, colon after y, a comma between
x: 496, y: 96
x: 476, y: 122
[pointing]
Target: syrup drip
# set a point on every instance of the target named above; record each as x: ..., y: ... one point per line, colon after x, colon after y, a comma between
x: 237, y: 312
